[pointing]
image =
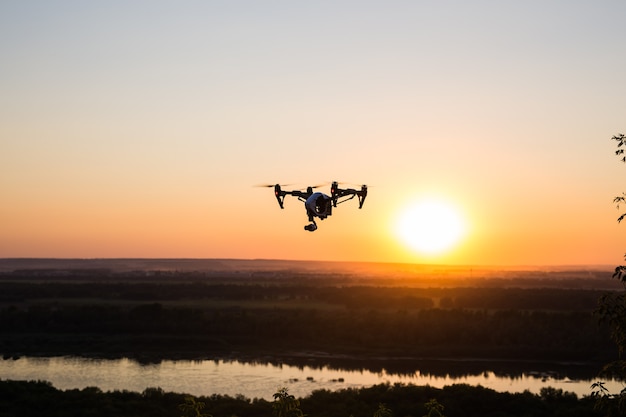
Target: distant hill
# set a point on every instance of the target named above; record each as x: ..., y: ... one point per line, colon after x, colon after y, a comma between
x: 592, y: 276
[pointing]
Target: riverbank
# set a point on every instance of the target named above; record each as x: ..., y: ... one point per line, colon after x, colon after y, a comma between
x: 16, y: 398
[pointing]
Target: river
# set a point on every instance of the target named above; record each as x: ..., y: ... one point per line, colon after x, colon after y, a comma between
x: 261, y: 380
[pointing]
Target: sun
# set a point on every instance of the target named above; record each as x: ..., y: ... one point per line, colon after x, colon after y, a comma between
x: 430, y: 226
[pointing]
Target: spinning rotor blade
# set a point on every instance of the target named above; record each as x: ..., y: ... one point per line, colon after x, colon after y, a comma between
x: 353, y: 184
x: 271, y: 185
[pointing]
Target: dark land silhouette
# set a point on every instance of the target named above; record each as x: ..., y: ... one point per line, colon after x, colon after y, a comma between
x: 177, y: 308
x: 36, y: 398
x: 395, y: 317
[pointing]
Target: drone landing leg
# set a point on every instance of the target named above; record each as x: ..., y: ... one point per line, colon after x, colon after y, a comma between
x: 311, y: 227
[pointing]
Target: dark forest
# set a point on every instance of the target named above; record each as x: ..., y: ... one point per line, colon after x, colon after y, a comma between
x: 332, y: 319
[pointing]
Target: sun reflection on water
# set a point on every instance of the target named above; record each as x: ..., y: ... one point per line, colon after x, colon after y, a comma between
x: 254, y: 380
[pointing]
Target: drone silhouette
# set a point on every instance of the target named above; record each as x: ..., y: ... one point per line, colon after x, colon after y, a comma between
x: 319, y: 204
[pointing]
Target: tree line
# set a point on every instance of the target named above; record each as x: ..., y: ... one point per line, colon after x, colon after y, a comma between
x: 353, y: 296
x: 37, y: 398
x: 163, y: 330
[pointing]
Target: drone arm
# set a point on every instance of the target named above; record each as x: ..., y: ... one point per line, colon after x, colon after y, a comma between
x: 361, y: 194
x: 301, y: 196
x: 280, y: 198
x: 337, y: 201
x: 280, y: 195
x: 338, y: 193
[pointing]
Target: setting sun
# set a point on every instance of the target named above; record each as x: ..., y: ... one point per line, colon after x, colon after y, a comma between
x: 430, y: 226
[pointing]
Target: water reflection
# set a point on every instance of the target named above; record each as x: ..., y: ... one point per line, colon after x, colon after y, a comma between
x: 260, y: 378
x: 439, y: 368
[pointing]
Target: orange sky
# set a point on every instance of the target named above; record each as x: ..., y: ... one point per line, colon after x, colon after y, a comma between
x: 139, y: 130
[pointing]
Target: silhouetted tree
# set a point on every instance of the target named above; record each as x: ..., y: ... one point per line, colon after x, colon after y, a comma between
x: 382, y: 411
x: 192, y: 408
x: 286, y: 405
x: 621, y: 143
x: 612, y: 310
x: 433, y: 408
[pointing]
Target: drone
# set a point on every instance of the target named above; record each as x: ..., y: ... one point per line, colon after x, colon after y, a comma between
x: 319, y: 204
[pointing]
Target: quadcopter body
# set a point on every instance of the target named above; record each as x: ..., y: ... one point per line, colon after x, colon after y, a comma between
x: 318, y: 204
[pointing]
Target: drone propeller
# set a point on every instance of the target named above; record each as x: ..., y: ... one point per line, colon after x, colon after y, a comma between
x: 271, y: 185
x: 353, y: 184
x: 288, y: 185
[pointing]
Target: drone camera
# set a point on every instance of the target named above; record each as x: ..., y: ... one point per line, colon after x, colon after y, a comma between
x: 311, y: 227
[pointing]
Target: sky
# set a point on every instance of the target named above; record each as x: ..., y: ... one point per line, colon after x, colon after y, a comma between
x: 140, y: 128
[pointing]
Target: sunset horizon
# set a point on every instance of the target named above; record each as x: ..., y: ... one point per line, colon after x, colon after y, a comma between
x: 199, y: 264
x: 482, y: 131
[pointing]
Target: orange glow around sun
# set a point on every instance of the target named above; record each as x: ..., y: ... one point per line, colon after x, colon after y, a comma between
x: 430, y: 226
